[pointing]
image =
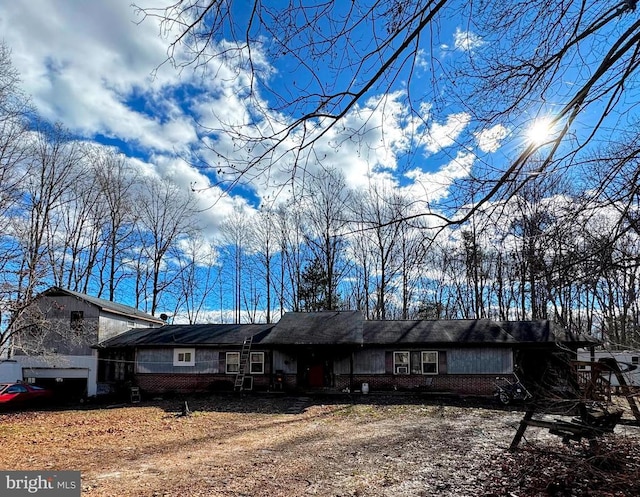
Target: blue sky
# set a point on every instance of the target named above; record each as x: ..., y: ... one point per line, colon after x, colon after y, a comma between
x: 99, y: 69
x: 92, y: 67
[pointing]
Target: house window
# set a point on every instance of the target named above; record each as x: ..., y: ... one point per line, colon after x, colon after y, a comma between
x: 256, y: 363
x: 77, y: 320
x: 233, y: 362
x: 184, y: 357
x: 429, y: 362
x: 634, y: 359
x: 401, y: 363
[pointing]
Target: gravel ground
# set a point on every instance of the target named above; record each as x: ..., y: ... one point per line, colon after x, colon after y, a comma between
x: 292, y: 446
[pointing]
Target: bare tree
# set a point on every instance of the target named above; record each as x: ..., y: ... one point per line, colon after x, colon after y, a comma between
x: 14, y: 150
x: 15, y: 159
x: 197, y: 278
x: 293, y: 254
x: 116, y: 181
x: 324, y: 204
x: 167, y: 214
x: 54, y: 171
x: 415, y: 244
x: 360, y: 296
x: 264, y: 239
x: 381, y: 213
x: 617, y: 168
x: 235, y: 234
x: 74, y: 230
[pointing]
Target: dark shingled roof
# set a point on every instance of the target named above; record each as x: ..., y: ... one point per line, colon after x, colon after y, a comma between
x: 104, y: 304
x: 349, y: 328
x: 543, y: 331
x: 193, y: 334
x: 317, y: 328
x: 441, y: 331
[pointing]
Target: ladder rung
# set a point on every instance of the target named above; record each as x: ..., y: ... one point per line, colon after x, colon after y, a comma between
x: 244, y: 362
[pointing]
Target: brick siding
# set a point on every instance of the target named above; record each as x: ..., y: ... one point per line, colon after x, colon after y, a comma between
x: 482, y: 385
x: 190, y: 383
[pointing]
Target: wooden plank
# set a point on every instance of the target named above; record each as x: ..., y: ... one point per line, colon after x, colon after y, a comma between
x: 570, y: 430
x: 521, y: 429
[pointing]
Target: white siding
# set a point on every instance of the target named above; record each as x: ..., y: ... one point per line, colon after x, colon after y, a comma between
x: 114, y: 324
x: 10, y: 371
x: 629, y: 361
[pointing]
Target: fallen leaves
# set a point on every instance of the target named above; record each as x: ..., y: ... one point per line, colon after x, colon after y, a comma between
x: 609, y: 469
x: 261, y: 446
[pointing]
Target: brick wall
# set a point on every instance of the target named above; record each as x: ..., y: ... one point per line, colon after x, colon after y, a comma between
x: 190, y: 383
x: 483, y: 385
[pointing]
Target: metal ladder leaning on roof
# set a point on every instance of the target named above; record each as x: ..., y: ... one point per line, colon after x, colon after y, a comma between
x: 243, y: 366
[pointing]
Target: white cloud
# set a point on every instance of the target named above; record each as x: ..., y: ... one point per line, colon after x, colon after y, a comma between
x: 466, y: 40
x: 440, y: 136
x: 211, y: 201
x: 422, y: 59
x: 433, y: 186
x: 365, y: 143
x: 90, y: 64
x: 489, y: 140
x: 83, y: 62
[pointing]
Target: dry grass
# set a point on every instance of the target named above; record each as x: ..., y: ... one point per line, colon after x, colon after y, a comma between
x: 257, y: 446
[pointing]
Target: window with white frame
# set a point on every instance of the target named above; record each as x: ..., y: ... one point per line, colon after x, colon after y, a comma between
x: 256, y: 363
x: 401, y: 362
x: 184, y: 357
x: 233, y: 362
x: 429, y: 362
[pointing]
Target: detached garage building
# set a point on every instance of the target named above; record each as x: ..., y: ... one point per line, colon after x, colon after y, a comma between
x: 55, y: 349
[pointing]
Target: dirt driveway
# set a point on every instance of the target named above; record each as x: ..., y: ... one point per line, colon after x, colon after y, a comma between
x: 258, y: 446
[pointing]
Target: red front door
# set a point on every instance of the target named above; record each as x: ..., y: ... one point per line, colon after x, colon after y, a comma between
x: 316, y: 376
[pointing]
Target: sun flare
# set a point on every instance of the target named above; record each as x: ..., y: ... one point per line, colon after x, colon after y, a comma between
x: 540, y: 131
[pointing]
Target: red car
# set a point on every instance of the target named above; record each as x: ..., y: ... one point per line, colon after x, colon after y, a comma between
x: 13, y: 394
